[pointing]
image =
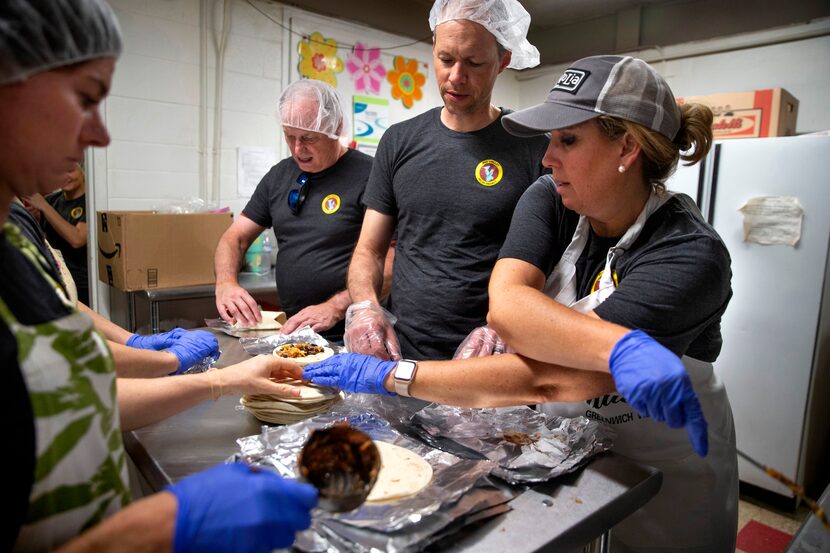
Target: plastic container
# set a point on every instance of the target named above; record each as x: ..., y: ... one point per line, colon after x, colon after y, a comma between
x: 267, y: 250
x: 255, y: 260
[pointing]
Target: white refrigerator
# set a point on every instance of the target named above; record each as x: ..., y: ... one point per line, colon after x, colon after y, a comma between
x: 775, y: 360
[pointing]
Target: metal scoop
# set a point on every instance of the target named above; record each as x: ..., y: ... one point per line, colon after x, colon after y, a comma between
x: 342, y: 463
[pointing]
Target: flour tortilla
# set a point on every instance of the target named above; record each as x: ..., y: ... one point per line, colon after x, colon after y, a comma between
x: 271, y: 320
x: 403, y: 473
x: 308, y: 393
x: 309, y: 359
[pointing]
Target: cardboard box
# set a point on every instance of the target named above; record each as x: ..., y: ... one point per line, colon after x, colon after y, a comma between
x: 142, y: 250
x: 754, y: 114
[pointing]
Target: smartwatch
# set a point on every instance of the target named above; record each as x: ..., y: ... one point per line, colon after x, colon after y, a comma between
x: 404, y: 373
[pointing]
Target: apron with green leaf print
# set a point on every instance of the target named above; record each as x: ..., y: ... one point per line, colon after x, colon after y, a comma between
x: 80, y: 471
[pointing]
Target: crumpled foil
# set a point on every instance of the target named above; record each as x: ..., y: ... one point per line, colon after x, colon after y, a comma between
x: 459, y: 490
x: 548, y: 445
x: 486, y: 500
x: 264, y: 345
x: 205, y: 364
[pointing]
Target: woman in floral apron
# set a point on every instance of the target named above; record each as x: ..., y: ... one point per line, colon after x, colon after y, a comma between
x: 599, y: 259
x: 63, y: 407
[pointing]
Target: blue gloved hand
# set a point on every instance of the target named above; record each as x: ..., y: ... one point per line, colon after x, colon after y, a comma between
x: 654, y: 382
x: 192, y: 347
x: 351, y: 372
x: 159, y: 341
x: 238, y: 508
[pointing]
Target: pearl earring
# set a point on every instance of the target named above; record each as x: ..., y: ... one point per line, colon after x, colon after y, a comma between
x: 621, y: 168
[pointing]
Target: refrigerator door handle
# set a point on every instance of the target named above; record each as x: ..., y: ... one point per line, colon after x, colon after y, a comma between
x: 709, y: 175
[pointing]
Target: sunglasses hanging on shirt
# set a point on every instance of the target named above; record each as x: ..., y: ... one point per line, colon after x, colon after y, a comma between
x: 297, y: 196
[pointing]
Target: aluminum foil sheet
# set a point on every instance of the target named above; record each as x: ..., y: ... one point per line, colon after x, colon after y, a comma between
x: 459, y: 494
x: 205, y: 364
x: 527, y: 446
x: 479, y: 503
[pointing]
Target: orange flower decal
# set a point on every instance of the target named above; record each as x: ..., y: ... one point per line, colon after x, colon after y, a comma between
x: 406, y: 81
x: 318, y: 59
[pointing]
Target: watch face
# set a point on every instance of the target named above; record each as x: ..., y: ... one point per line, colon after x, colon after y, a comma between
x: 405, y: 370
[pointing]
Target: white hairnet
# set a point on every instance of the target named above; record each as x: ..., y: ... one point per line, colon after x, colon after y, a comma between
x: 314, y: 106
x: 40, y: 35
x: 506, y: 20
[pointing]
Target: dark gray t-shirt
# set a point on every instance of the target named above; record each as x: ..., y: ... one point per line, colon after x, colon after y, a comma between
x: 453, y: 195
x: 314, y: 247
x: 73, y: 211
x: 674, y: 281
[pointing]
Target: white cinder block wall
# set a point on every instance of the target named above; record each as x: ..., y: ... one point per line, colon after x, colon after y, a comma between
x: 153, y: 112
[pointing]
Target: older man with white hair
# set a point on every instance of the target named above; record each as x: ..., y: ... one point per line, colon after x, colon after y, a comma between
x: 313, y: 201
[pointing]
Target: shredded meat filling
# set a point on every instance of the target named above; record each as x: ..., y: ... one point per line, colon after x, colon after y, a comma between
x: 293, y: 351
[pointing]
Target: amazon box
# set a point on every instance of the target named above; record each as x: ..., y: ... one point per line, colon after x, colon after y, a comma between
x: 754, y: 114
x: 143, y: 250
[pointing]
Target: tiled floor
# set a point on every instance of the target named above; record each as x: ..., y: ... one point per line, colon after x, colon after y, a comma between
x: 764, y: 529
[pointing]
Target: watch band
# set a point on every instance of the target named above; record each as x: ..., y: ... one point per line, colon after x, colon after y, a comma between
x: 403, y: 376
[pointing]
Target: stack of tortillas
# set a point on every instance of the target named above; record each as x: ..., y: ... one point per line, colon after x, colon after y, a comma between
x: 403, y: 473
x: 313, y: 400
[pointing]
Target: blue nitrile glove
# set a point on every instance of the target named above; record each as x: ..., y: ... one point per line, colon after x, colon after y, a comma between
x: 351, y: 372
x: 654, y: 382
x: 192, y: 347
x: 163, y: 340
x: 239, y: 508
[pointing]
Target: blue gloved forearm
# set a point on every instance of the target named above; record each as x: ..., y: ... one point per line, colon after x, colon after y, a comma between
x: 192, y: 347
x: 654, y: 382
x: 160, y: 341
x: 238, y: 508
x: 352, y: 372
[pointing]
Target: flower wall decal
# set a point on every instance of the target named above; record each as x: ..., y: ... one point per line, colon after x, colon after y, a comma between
x: 366, y: 68
x: 318, y: 58
x: 406, y: 81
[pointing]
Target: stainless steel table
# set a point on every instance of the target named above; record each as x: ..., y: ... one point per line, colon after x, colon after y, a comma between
x: 260, y: 286
x: 561, y: 515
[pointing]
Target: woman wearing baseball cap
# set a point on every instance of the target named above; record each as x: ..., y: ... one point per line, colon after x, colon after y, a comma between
x: 610, y: 243
x: 610, y: 289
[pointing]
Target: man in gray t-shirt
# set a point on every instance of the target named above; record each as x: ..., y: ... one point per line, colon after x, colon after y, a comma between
x: 446, y: 183
x: 313, y: 201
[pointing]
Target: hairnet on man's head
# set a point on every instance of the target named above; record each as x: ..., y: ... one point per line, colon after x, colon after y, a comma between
x: 506, y: 20
x: 40, y: 35
x: 314, y: 106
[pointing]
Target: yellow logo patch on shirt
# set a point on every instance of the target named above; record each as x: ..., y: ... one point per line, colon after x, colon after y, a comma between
x: 76, y: 212
x: 595, y: 287
x: 331, y: 203
x: 489, y: 172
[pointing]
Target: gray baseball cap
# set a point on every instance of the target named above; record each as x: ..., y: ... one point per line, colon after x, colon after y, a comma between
x: 618, y: 86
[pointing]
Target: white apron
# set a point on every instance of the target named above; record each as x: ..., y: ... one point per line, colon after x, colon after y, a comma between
x: 696, y: 509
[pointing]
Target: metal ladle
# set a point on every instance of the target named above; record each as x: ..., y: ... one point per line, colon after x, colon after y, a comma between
x: 342, y: 463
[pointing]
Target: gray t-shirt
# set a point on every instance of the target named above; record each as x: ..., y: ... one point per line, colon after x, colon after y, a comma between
x: 315, y: 246
x: 453, y: 195
x: 674, y: 281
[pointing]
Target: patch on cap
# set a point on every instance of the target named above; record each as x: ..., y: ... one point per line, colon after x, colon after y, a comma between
x: 571, y: 80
